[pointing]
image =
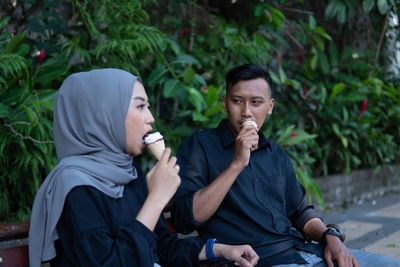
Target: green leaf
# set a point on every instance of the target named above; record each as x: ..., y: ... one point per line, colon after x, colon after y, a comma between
x: 295, y: 84
x: 185, y: 59
x: 383, y: 6
x: 282, y: 75
x: 4, y: 110
x: 275, y: 78
x: 32, y: 116
x: 212, y: 96
x: 336, y: 90
x: 199, y: 117
x: 368, y: 5
x: 188, y: 75
x: 312, y: 22
x: 336, y: 130
x: 391, y: 245
x: 196, y: 99
x: 345, y: 141
x: 4, y: 21
x: 333, y: 55
x: 156, y: 76
x: 341, y: 13
x: 183, y: 131
x: 14, y: 43
x: 323, y: 62
x: 50, y: 73
x: 331, y: 10
x: 214, y: 110
x: 170, y: 87
x: 322, y: 32
x: 319, y: 42
x: 200, y: 79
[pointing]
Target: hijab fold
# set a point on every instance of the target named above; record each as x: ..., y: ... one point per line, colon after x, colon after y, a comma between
x: 89, y: 131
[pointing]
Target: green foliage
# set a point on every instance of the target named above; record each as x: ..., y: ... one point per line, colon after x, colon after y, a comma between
x: 325, y: 71
x: 26, y: 149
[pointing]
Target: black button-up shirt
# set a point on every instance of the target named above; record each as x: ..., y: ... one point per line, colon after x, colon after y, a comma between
x: 264, y: 205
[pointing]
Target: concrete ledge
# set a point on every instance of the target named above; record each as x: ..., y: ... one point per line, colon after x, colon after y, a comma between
x: 341, y: 190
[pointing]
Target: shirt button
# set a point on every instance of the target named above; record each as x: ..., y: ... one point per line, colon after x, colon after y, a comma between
x: 255, y: 179
x: 275, y: 224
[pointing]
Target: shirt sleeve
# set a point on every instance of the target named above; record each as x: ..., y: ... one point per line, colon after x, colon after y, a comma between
x: 173, y: 251
x: 298, y: 209
x: 88, y: 241
x: 193, y: 170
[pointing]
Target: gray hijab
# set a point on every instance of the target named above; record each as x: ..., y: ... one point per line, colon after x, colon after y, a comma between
x: 89, y: 131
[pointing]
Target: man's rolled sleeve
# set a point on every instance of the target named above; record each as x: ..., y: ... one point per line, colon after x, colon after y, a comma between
x: 304, y: 212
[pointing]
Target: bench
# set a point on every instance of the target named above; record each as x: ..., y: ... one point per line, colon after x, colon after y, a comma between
x: 14, y: 242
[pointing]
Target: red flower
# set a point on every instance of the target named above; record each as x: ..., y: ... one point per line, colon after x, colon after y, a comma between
x: 185, y: 32
x: 293, y: 134
x: 41, y: 57
x: 363, y: 108
x: 300, y: 57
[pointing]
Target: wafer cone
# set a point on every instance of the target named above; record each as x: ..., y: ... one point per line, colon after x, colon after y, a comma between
x: 157, y: 148
x: 249, y: 123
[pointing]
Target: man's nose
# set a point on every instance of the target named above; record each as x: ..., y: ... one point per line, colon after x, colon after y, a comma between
x: 246, y: 111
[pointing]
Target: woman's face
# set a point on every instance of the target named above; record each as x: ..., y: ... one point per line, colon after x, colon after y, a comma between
x: 138, y: 120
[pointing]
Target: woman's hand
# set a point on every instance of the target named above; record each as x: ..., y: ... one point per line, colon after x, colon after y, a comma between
x: 163, y: 179
x: 241, y: 255
x: 162, y: 182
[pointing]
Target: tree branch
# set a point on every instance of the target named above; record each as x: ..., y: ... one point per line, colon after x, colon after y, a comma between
x: 23, y: 137
x: 378, y: 50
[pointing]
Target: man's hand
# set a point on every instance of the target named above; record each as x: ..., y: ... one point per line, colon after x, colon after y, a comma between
x: 241, y: 255
x: 246, y: 141
x: 336, y: 250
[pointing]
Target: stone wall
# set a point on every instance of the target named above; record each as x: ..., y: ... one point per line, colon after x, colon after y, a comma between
x: 341, y: 190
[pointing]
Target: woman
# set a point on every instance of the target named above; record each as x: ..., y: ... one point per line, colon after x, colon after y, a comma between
x: 96, y: 207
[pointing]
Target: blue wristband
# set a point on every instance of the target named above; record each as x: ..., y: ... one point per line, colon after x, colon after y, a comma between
x: 209, y: 250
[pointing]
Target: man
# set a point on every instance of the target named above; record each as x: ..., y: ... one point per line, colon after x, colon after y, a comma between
x: 241, y: 187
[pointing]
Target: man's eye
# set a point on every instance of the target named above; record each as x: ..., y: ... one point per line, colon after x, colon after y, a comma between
x: 236, y: 101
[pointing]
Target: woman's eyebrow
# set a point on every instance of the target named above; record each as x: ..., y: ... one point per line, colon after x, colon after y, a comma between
x: 139, y: 98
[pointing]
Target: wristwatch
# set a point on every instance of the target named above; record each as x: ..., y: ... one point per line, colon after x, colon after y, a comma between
x: 335, y: 230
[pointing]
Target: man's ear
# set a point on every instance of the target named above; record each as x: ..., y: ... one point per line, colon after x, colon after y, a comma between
x: 271, y: 106
x: 224, y: 102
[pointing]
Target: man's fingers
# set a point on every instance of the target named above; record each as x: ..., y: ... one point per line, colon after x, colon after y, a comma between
x: 354, y: 261
x: 328, y: 260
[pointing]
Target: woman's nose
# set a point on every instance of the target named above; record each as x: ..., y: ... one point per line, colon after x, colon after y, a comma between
x: 150, y: 118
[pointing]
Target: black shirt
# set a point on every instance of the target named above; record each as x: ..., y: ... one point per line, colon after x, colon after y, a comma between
x: 96, y: 230
x: 264, y: 205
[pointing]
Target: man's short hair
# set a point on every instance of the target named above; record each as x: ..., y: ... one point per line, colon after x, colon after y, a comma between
x: 247, y: 72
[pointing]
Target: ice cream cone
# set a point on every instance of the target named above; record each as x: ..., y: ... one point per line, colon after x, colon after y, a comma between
x: 157, y: 148
x: 249, y: 123
x: 155, y: 142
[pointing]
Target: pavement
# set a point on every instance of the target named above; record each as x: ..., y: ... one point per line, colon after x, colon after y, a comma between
x: 372, y: 226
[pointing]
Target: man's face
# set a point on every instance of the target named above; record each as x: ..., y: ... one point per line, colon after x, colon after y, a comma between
x: 248, y: 100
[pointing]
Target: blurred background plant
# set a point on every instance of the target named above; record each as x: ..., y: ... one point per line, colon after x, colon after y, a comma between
x: 336, y: 92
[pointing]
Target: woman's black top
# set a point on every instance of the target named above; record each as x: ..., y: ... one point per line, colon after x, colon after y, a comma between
x: 96, y: 230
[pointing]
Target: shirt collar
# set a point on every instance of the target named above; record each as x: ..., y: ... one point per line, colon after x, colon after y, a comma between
x: 227, y: 137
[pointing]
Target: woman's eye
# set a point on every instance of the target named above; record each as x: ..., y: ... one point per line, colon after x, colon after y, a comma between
x: 141, y: 106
